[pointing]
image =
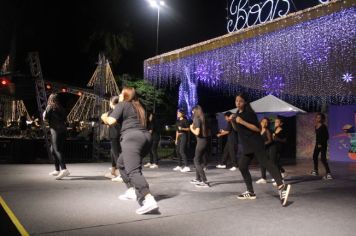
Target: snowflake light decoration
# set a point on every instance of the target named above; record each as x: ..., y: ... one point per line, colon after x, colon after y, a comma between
x: 347, y: 77
x: 273, y: 85
x: 250, y: 62
x: 208, y: 72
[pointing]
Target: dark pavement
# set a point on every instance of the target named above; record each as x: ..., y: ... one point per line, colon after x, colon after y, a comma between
x: 86, y: 203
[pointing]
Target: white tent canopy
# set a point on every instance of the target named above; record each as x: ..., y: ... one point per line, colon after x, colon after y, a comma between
x: 271, y: 104
x: 268, y: 104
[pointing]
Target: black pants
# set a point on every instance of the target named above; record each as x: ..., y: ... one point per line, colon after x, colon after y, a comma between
x: 200, y: 151
x: 135, y: 145
x: 321, y: 150
x: 275, y: 157
x: 207, y: 155
x: 58, y: 139
x: 115, y: 151
x: 229, y: 154
x: 261, y: 156
x: 181, y: 149
x: 154, y: 147
x: 263, y: 169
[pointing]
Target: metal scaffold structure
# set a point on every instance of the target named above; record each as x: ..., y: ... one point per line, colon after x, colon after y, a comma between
x: 41, y: 96
x: 11, y: 109
x: 89, y: 107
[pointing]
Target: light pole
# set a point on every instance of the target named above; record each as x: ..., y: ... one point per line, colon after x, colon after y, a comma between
x: 156, y: 4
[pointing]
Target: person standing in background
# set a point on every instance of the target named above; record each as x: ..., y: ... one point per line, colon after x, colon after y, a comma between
x: 182, y: 141
x: 56, y: 118
x: 321, y: 145
x: 152, y: 127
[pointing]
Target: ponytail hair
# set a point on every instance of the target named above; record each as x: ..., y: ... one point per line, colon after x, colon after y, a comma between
x: 129, y: 95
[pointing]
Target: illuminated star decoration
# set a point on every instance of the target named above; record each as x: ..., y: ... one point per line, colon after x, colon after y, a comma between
x: 347, y: 77
x: 250, y: 62
x: 208, y: 72
x: 273, y: 85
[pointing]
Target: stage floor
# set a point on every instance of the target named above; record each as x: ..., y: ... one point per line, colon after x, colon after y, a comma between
x: 86, y: 203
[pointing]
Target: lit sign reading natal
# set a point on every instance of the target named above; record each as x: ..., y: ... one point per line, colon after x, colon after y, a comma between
x: 243, y: 15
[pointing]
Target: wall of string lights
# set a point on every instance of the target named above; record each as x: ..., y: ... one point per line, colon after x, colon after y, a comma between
x: 308, y: 64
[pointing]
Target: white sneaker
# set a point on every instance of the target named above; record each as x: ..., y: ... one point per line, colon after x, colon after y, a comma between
x: 177, y: 168
x: 274, y: 183
x: 54, y: 173
x: 154, y: 166
x: 233, y: 168
x: 117, y: 179
x: 149, y: 204
x: 221, y: 166
x: 109, y: 175
x: 129, y: 194
x: 63, y: 173
x: 261, y: 181
x: 185, y: 169
x: 147, y: 165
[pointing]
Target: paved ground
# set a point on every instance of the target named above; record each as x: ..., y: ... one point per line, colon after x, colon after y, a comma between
x: 86, y: 203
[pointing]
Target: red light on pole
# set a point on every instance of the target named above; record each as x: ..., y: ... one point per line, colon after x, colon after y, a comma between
x: 48, y: 86
x: 4, y: 81
x: 63, y: 90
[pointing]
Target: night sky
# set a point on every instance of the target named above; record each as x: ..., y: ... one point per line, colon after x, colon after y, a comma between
x: 60, y: 31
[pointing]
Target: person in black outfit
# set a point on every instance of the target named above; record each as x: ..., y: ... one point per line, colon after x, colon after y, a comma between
x: 198, y: 128
x: 153, y: 128
x: 114, y: 136
x: 229, y: 153
x: 279, y: 138
x: 252, y: 145
x: 135, y: 144
x: 267, y: 138
x: 23, y: 123
x: 182, y: 141
x: 56, y: 118
x: 321, y: 145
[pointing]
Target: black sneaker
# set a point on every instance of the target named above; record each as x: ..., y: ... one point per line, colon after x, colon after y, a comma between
x: 314, y: 173
x: 284, y: 193
x: 195, y: 181
x: 202, y: 185
x: 246, y: 195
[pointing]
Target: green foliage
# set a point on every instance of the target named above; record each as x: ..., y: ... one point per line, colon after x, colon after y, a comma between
x: 146, y: 91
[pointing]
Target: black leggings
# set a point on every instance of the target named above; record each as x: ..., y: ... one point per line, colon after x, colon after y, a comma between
x: 115, y: 151
x: 181, y: 149
x: 153, y: 151
x: 58, y: 139
x: 229, y: 155
x: 261, y: 156
x: 275, y: 156
x: 200, y: 151
x: 135, y: 145
x: 321, y: 150
x: 263, y: 169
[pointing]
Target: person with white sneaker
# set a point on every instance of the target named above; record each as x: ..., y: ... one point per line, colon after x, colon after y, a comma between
x: 267, y: 138
x: 198, y: 128
x: 321, y: 145
x: 230, y: 149
x: 153, y: 128
x: 247, y: 127
x: 181, y: 142
x: 56, y: 118
x: 114, y: 136
x: 135, y: 144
